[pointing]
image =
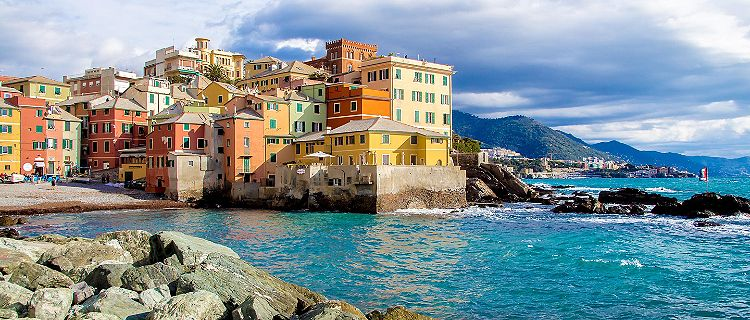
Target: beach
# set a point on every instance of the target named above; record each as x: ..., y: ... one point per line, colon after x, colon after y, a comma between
x: 29, y: 198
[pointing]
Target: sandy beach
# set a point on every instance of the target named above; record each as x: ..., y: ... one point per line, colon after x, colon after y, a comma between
x: 27, y: 198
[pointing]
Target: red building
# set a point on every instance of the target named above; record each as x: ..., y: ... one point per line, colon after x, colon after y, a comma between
x: 347, y: 102
x: 114, y: 125
x: 344, y: 55
x: 40, y: 137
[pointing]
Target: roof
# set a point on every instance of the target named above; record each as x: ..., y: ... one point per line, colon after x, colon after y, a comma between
x: 382, y: 124
x: 6, y: 105
x: 56, y: 112
x: 295, y: 67
x: 120, y: 104
x: 9, y: 89
x: 169, y: 112
x: 267, y: 97
x: 266, y: 59
x: 244, y: 113
x: 312, y: 136
x: 179, y: 94
x: 190, y: 118
x: 230, y: 88
x: 300, y: 96
x: 81, y: 99
x: 38, y: 79
x: 7, y: 78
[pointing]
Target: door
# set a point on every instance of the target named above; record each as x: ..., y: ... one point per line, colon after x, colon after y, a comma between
x: 51, y: 167
x: 128, y: 176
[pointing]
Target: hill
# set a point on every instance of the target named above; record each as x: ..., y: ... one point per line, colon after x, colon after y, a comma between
x: 524, y: 135
x: 717, y: 166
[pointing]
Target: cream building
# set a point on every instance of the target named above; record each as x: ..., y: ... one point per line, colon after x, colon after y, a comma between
x: 232, y: 62
x: 421, y: 91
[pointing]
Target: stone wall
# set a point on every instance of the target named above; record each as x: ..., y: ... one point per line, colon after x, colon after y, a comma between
x: 469, y: 159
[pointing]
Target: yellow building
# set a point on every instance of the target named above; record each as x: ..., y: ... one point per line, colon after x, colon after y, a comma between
x: 132, y: 164
x: 10, y: 138
x: 41, y: 87
x: 421, y: 91
x: 218, y: 94
x: 376, y: 141
x: 278, y: 77
x: 233, y: 63
x: 257, y: 66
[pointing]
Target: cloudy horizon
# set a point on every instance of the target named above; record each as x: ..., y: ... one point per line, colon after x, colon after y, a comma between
x: 659, y: 75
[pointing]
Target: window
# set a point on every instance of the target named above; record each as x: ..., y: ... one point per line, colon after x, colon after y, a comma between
x: 361, y: 139
x: 221, y: 99
x: 39, y: 113
x: 273, y: 157
x: 185, y: 127
x: 429, y: 117
x: 398, y: 94
x: 107, y: 128
x: 169, y: 143
x: 191, y: 163
x: 229, y: 142
x: 298, y: 148
x: 127, y: 128
x: 246, y: 142
x: 445, y: 80
x: 386, y: 159
x: 106, y: 111
x: 417, y: 77
x: 397, y: 75
x: 94, y: 128
x: 320, y: 92
x: 386, y: 139
x: 166, y: 100
x: 57, y: 91
x: 446, y: 118
x: 287, y: 141
x: 39, y: 129
x: 416, y: 116
x: 338, y: 141
x: 272, y: 123
x: 137, y: 113
x: 126, y: 144
x: 247, y: 124
x: 151, y: 98
x: 413, y: 159
x: 186, y: 142
x: 299, y: 126
x: 436, y: 140
x: 398, y: 114
x: 151, y: 143
x: 317, y: 126
x: 42, y: 89
x: 106, y: 146
x: 127, y: 112
x: 316, y: 109
x: 299, y: 107
x: 349, y: 140
x: 201, y: 143
x: 336, y: 108
x: 354, y: 106
x: 93, y: 112
x: 413, y: 139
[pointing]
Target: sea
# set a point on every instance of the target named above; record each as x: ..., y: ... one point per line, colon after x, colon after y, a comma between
x: 520, y: 261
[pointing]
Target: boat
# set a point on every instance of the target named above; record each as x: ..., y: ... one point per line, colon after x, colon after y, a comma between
x: 15, y: 178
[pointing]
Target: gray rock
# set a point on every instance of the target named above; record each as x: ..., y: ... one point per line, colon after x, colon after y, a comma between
x: 130, y: 294
x: 52, y: 238
x: 254, y: 308
x: 32, y: 249
x: 8, y: 314
x: 95, y: 316
x: 84, y: 256
x: 396, y: 313
x: 134, y: 241
x: 235, y: 280
x: 150, y: 276
x: 189, y: 250
x: 34, y: 276
x: 9, y: 260
x: 199, y: 305
x: 116, y: 302
x: 107, y: 275
x: 50, y: 303
x: 152, y: 297
x: 14, y: 297
x: 81, y: 292
x: 332, y: 310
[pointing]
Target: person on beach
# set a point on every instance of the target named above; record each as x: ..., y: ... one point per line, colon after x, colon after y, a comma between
x: 54, y: 182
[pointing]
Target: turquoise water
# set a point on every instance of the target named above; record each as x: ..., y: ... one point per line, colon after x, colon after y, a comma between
x: 517, y: 262
x: 673, y: 187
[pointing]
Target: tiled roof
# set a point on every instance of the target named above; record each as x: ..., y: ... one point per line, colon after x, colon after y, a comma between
x: 244, y: 113
x: 230, y: 88
x: 56, y: 112
x: 9, y: 89
x: 300, y: 96
x: 120, y: 104
x: 38, y: 79
x: 384, y: 125
x: 79, y: 99
x: 295, y: 67
x: 312, y: 136
x: 266, y: 59
x: 191, y: 118
x: 5, y: 105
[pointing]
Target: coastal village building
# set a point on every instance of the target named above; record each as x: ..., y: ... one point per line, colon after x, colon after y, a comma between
x: 66, y: 127
x: 421, y: 90
x: 40, y: 87
x: 154, y: 94
x: 233, y: 63
x: 348, y: 102
x: 344, y: 55
x: 254, y: 67
x: 100, y: 81
x: 171, y: 62
x: 132, y: 164
x: 10, y: 138
x: 241, y: 141
x: 117, y: 124
x: 7, y: 92
x: 279, y: 76
x: 217, y: 94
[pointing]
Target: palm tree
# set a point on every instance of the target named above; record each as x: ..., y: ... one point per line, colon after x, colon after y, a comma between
x: 215, y: 72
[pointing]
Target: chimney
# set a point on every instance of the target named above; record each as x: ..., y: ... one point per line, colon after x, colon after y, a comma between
x: 328, y: 130
x: 312, y: 58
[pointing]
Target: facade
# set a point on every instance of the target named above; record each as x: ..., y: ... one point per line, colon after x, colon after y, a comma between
x: 10, y: 138
x: 66, y: 127
x: 242, y: 143
x: 132, y: 164
x: 7, y: 92
x: 276, y: 132
x: 114, y: 125
x: 254, y: 67
x: 170, y: 62
x: 100, y: 81
x: 280, y: 76
x: 421, y: 91
x: 344, y: 55
x: 348, y: 102
x: 154, y: 94
x: 233, y: 63
x: 41, y: 88
x: 218, y: 94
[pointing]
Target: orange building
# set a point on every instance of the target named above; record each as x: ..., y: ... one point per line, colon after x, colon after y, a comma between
x: 344, y: 55
x: 347, y: 102
x: 243, y: 145
x: 40, y: 151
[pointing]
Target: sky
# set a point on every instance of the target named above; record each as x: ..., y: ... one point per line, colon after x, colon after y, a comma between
x: 661, y: 75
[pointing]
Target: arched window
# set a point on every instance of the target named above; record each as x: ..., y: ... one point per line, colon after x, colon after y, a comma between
x: 349, y: 68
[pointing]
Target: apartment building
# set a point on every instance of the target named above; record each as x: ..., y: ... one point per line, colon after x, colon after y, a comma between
x: 348, y: 102
x: 40, y: 87
x: 279, y: 76
x: 344, y: 55
x: 171, y: 62
x: 233, y: 63
x: 10, y: 138
x: 117, y: 124
x: 100, y: 81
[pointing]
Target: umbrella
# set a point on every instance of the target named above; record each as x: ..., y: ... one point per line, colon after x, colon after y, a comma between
x: 319, y: 154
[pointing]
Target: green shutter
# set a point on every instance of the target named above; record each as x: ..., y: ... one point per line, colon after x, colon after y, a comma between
x: 299, y: 107
x: 67, y: 125
x: 10, y: 150
x: 10, y: 112
x: 39, y: 129
x: 151, y: 98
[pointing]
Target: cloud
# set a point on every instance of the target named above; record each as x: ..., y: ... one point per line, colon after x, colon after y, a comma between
x: 309, y: 45
x: 490, y: 99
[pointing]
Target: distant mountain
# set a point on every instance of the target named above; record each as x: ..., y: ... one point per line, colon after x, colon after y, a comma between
x: 717, y: 166
x: 524, y: 135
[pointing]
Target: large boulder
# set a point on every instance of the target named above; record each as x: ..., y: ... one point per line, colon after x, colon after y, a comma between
x: 8, y: 314
x: 152, y: 297
x: 35, y: 276
x: 10, y: 233
x: 77, y: 258
x: 50, y: 303
x: 332, y: 310
x: 150, y: 276
x: 478, y: 191
x: 396, y: 313
x: 235, y: 280
x: 634, y: 196
x: 199, y: 305
x: 32, y: 249
x: 255, y: 308
x: 10, y: 259
x: 14, y: 297
x: 116, y: 301
x: 188, y: 249
x: 711, y: 204
x: 81, y: 292
x: 6, y: 221
x: 107, y: 275
x: 580, y: 203
x: 629, y: 209
x: 134, y: 241
x: 95, y: 316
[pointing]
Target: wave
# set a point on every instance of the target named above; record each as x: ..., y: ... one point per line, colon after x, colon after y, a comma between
x: 623, y: 262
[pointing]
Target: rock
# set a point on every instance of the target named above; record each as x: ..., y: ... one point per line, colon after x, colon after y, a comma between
x: 50, y: 303
x: 705, y: 223
x: 235, y: 280
x: 84, y: 256
x: 396, y: 313
x: 10, y: 233
x: 95, y: 316
x: 7, y: 221
x: 9, y: 260
x: 34, y: 276
x: 199, y: 305
x: 107, y: 275
x: 188, y: 249
x: 32, y: 249
x: 151, y: 297
x: 52, y: 238
x: 478, y: 191
x: 60, y: 264
x: 134, y: 241
x: 150, y: 276
x: 710, y: 204
x: 81, y: 292
x: 634, y: 196
x: 581, y: 203
x: 130, y: 294
x: 14, y: 297
x: 332, y: 310
x: 254, y: 308
x: 8, y: 314
x: 629, y: 209
x: 121, y: 303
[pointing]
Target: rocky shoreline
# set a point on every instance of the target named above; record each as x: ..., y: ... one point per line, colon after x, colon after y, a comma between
x: 133, y: 274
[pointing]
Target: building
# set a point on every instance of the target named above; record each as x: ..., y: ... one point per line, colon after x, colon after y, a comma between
x: 421, y: 90
x: 348, y: 102
x: 279, y: 76
x: 132, y: 164
x: 306, y: 113
x: 6, y: 92
x: 117, y: 124
x: 344, y: 55
x: 10, y: 138
x: 254, y: 67
x: 232, y: 63
x: 67, y: 128
x: 276, y: 132
x: 100, y: 81
x: 218, y: 94
x: 241, y: 149
x: 154, y: 94
x: 40, y: 87
x: 170, y: 62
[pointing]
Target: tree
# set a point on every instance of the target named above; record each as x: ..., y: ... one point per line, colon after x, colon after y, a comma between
x: 467, y: 145
x: 215, y: 72
x: 178, y: 79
